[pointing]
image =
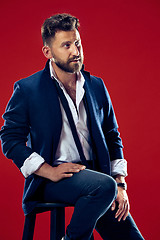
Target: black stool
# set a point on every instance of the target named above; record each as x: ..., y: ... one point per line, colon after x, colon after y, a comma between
x: 57, y: 221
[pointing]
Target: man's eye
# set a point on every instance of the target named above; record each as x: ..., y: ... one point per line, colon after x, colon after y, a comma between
x: 77, y: 44
x: 67, y: 45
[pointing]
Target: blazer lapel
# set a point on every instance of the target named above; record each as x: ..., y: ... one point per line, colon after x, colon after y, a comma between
x: 53, y: 106
x: 95, y: 127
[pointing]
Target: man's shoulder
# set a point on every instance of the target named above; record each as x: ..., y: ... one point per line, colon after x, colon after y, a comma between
x: 35, y: 80
x: 97, y: 86
x: 96, y: 82
x: 30, y: 80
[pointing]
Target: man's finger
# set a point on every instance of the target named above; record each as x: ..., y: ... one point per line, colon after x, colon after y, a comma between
x: 78, y: 166
x: 113, y: 206
x: 126, y: 213
x: 74, y: 168
x: 121, y: 213
x: 82, y: 166
x: 66, y: 175
x: 120, y: 210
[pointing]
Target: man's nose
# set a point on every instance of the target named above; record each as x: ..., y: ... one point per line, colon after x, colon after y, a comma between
x: 75, y: 50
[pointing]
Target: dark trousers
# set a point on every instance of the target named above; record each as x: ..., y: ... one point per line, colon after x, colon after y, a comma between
x: 92, y: 194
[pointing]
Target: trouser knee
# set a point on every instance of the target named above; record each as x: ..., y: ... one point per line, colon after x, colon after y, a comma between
x: 109, y: 188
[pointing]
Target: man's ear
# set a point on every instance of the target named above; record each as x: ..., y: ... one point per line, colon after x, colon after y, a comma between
x: 47, y: 52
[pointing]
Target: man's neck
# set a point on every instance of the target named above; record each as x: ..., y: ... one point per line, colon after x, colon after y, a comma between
x: 67, y: 79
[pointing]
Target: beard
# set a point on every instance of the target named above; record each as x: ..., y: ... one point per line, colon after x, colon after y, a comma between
x: 69, y: 66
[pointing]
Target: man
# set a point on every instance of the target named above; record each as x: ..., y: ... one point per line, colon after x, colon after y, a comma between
x: 73, y: 152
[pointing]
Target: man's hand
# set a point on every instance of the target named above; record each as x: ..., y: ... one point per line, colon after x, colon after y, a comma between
x: 123, y: 204
x: 63, y: 170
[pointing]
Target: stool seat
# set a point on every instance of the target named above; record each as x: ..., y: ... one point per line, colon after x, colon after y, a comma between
x: 57, y: 220
x: 49, y: 206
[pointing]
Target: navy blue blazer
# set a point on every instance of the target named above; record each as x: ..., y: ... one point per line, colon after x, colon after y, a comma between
x: 33, y: 123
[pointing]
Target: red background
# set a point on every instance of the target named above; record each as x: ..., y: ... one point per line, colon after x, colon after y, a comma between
x: 121, y: 44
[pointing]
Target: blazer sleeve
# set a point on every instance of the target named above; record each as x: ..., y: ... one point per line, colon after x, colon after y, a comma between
x: 110, y: 128
x: 14, y: 133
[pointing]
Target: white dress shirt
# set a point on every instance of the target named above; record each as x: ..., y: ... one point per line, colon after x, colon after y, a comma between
x: 67, y: 150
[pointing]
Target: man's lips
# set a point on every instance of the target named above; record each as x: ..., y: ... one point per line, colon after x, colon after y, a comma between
x: 75, y: 60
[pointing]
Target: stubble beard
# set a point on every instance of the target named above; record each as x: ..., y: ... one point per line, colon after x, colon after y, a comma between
x: 69, y: 66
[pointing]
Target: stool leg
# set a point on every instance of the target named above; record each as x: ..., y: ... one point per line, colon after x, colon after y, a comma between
x: 57, y: 225
x: 29, y: 224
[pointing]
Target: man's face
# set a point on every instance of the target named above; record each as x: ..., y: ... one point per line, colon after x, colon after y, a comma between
x: 67, y: 51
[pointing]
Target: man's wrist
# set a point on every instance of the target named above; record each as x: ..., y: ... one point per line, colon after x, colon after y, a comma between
x: 119, y: 178
x: 122, y: 185
x: 121, y: 181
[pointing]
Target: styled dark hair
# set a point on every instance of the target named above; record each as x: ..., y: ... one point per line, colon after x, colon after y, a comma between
x: 64, y: 22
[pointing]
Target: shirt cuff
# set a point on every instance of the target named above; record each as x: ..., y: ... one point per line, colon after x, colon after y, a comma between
x: 31, y: 164
x: 119, y: 167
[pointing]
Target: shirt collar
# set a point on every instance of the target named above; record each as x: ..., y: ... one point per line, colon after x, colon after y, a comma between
x: 80, y: 78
